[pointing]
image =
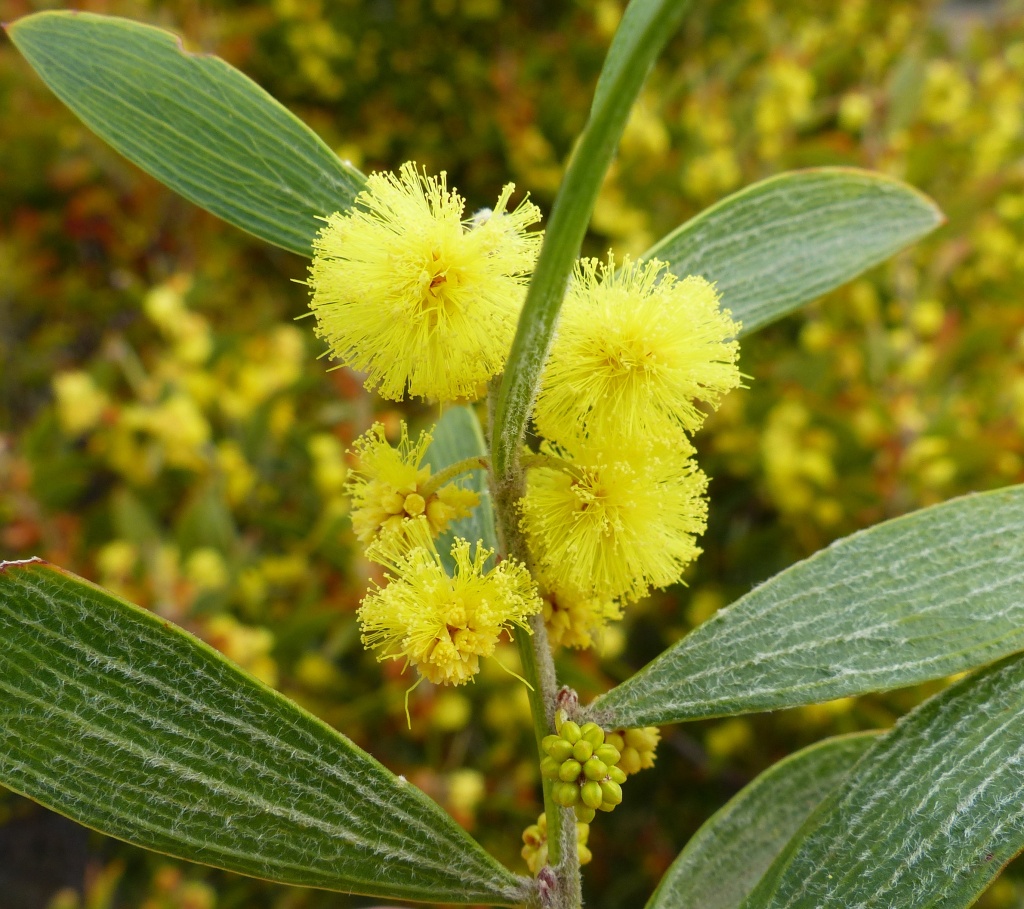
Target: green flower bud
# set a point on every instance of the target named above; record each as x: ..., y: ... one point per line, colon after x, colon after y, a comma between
x: 611, y: 792
x: 582, y: 750
x: 607, y: 753
x: 617, y: 775
x: 569, y: 771
x: 549, y: 768
x: 595, y: 769
x: 566, y: 794
x: 548, y: 741
x: 583, y: 813
x: 591, y: 794
x: 570, y: 732
x: 560, y: 749
x: 592, y: 733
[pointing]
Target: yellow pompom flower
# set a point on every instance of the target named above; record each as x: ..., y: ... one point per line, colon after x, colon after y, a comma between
x: 421, y: 300
x: 636, y: 349
x: 614, y: 520
x: 391, y: 485
x: 442, y: 624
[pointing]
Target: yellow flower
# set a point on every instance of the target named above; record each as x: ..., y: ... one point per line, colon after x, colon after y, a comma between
x: 390, y: 485
x: 441, y: 624
x: 634, y: 351
x: 636, y: 747
x: 408, y: 292
x: 575, y: 620
x: 617, y: 520
x: 535, y: 844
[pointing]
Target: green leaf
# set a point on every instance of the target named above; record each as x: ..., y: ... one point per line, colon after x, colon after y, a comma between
x: 787, y: 240
x: 645, y: 27
x: 458, y: 436
x: 129, y: 725
x: 732, y: 850
x: 927, y: 818
x: 630, y: 37
x: 192, y: 121
x: 925, y: 595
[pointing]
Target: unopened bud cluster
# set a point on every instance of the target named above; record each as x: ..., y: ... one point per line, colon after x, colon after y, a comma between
x: 584, y: 769
x: 535, y: 844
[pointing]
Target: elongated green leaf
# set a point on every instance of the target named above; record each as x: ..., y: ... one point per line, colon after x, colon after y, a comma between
x: 646, y: 27
x: 927, y: 818
x: 629, y: 38
x: 934, y: 592
x: 735, y: 847
x: 131, y: 726
x: 192, y: 121
x: 458, y: 436
x: 787, y: 240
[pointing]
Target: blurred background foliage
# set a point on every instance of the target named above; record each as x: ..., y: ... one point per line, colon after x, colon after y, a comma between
x: 167, y: 429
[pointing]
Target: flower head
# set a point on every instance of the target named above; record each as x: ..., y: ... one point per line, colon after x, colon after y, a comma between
x: 390, y: 486
x: 616, y: 520
x: 407, y: 291
x: 576, y: 620
x: 635, y: 350
x: 442, y: 624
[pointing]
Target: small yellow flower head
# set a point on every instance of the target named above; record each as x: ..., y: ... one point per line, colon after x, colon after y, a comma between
x: 440, y: 624
x: 388, y: 487
x: 535, y: 844
x: 576, y: 621
x: 408, y: 292
x: 618, y: 521
x: 636, y: 747
x: 635, y: 350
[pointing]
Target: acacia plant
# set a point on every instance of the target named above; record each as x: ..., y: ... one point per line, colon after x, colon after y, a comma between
x: 129, y: 725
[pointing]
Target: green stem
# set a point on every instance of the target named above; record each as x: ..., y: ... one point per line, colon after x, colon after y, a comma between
x: 645, y: 28
x: 539, y: 702
x: 437, y: 480
x: 539, y: 671
x: 554, y: 462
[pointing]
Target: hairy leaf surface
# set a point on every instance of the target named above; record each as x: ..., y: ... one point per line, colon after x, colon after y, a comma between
x: 735, y: 847
x: 934, y: 592
x: 780, y: 243
x: 927, y: 818
x: 192, y: 121
x: 127, y: 724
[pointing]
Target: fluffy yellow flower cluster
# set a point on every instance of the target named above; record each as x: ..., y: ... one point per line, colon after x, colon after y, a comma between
x: 426, y: 302
x: 421, y: 300
x: 614, y: 503
x: 391, y: 485
x: 442, y: 624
